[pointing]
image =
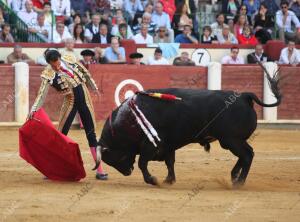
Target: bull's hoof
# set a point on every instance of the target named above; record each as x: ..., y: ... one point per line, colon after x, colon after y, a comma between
x: 169, y: 180
x: 152, y: 180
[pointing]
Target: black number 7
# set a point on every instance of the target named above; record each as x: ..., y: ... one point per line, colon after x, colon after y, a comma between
x: 201, y: 55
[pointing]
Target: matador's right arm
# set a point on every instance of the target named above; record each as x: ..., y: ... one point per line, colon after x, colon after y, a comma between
x: 41, y: 95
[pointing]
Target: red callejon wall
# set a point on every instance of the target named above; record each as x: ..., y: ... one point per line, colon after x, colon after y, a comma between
x: 290, y: 89
x: 244, y: 78
x: 7, y: 93
x: 108, y: 77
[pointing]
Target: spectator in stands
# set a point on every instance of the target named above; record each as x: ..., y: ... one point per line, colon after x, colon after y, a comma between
x: 138, y: 16
x: 146, y: 19
x: 78, y: 34
x: 88, y: 58
x: 120, y: 23
x: 295, y: 7
x: 186, y: 36
x: 284, y: 19
x: 116, y: 4
x: 191, y: 7
x: 115, y: 53
x: 76, y: 20
x: 247, y: 37
x: 41, y: 28
x: 157, y: 59
x: 18, y: 56
x: 226, y: 37
x: 181, y: 18
x: 61, y: 33
x: 78, y: 7
x: 169, y: 7
x: 102, y: 6
x: 92, y: 29
x: 252, y: 6
x: 131, y: 7
x: 38, y: 5
x: 218, y: 26
x: 104, y: 36
x: 243, y: 11
x: 28, y: 16
x: 271, y: 5
x: 239, y: 25
x: 143, y: 37
x: 290, y: 55
x: 105, y: 19
x: 263, y: 24
x: 69, y: 48
x: 16, y: 5
x: 61, y: 10
x: 162, y: 36
x: 183, y: 60
x: 5, y: 35
x: 207, y: 37
x: 2, y: 17
x: 136, y: 58
x: 233, y: 58
x: 257, y: 55
x: 160, y: 18
x: 99, y: 56
x: 230, y: 8
x: 123, y: 32
x: 49, y: 18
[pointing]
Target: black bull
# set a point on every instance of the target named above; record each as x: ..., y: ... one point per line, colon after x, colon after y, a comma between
x: 202, y: 116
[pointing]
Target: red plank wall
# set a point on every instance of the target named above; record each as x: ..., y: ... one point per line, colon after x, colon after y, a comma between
x: 107, y: 77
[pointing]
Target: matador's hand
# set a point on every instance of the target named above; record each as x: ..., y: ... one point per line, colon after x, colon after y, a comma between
x: 30, y: 115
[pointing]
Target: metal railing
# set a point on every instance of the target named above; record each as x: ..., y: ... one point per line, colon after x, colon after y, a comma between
x: 18, y: 28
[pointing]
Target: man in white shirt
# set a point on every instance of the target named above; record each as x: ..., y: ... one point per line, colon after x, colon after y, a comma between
x: 284, y: 19
x: 61, y: 7
x: 290, y: 55
x: 157, y: 59
x: 218, y: 26
x: 233, y: 58
x: 162, y: 19
x: 226, y: 37
x: 28, y: 15
x: 17, y: 5
x: 92, y: 29
x: 61, y: 33
x: 143, y: 37
x: 41, y: 28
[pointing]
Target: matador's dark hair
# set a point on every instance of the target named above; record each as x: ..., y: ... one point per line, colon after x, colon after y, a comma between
x: 52, y: 55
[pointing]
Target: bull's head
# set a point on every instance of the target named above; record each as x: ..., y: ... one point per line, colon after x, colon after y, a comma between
x: 119, y: 159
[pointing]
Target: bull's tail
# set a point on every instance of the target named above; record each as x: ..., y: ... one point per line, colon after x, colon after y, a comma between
x: 274, y: 85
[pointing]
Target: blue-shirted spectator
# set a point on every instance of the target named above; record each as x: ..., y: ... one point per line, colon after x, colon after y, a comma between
x: 115, y: 53
x: 160, y: 18
x: 186, y: 36
x: 133, y: 6
x: 252, y: 6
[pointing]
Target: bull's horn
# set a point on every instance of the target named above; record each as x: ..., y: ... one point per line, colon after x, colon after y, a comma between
x: 98, y: 157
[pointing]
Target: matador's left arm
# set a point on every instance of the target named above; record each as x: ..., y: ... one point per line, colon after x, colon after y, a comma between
x: 88, y: 77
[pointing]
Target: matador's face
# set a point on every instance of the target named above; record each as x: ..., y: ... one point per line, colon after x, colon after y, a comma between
x: 55, y: 65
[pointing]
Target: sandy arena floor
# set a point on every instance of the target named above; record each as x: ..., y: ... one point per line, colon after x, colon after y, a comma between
x: 202, y: 192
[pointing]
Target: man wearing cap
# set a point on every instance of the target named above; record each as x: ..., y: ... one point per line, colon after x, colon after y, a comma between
x: 136, y: 58
x: 69, y: 78
x: 88, y: 58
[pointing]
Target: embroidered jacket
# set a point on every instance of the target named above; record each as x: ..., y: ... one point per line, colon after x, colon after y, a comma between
x: 61, y: 81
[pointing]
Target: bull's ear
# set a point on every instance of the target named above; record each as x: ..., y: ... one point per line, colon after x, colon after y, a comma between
x: 104, y: 149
